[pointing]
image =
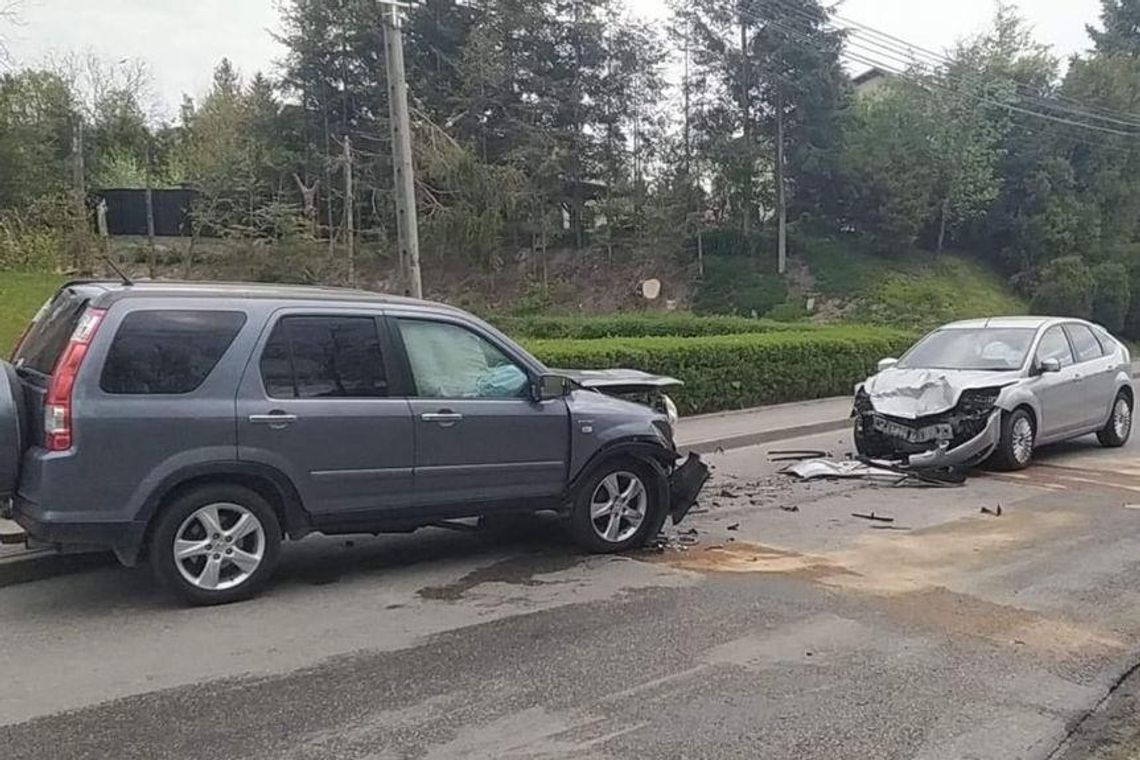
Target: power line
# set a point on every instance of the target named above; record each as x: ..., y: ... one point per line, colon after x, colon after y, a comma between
x: 868, y: 57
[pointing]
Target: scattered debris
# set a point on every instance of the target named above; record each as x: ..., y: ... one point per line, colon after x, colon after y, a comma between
x: 734, y: 527
x: 888, y: 527
x: 690, y: 532
x: 700, y: 511
x: 792, y: 508
x: 797, y: 455
x: 720, y: 449
x: 1132, y: 506
x: 821, y: 469
x: 727, y: 494
x: 992, y: 512
x: 873, y: 517
x: 688, y: 540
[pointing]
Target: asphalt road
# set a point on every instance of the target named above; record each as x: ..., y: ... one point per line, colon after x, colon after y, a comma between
x: 780, y: 634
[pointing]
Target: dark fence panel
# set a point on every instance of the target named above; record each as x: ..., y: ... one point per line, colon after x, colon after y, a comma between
x: 126, y: 211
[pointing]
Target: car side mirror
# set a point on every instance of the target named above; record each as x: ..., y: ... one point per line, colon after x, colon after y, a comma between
x: 1048, y: 366
x: 886, y: 364
x: 551, y: 387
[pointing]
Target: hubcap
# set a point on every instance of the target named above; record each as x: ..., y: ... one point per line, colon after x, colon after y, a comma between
x: 618, y: 507
x: 1022, y: 440
x: 219, y: 546
x: 1122, y: 418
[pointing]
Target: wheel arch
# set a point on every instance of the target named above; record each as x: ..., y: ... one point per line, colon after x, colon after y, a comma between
x: 269, y: 483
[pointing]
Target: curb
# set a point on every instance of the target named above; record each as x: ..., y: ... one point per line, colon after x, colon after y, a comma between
x: 41, y: 564
x: 766, y: 436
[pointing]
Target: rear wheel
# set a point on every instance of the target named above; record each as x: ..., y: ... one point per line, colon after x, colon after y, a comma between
x: 615, y: 508
x: 1119, y: 428
x: 1018, y: 438
x: 216, y: 544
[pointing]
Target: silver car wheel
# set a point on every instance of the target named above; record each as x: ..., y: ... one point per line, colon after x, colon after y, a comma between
x: 219, y: 546
x: 618, y: 507
x: 1022, y: 440
x: 1122, y: 418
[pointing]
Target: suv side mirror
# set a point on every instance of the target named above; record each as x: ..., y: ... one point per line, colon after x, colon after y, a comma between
x: 886, y: 364
x: 1048, y: 366
x: 551, y: 387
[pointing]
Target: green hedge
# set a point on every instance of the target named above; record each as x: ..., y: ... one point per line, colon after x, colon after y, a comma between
x: 636, y: 326
x: 739, y: 371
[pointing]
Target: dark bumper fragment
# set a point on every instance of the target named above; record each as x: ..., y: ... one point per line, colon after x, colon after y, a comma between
x: 685, y: 486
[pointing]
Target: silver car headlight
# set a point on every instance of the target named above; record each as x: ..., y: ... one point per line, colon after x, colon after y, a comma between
x: 670, y: 410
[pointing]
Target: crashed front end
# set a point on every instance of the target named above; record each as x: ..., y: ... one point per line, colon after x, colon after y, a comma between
x: 964, y: 436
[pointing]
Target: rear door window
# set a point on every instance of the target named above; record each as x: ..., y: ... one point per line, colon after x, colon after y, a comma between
x: 50, y: 332
x: 1085, y: 343
x: 168, y: 352
x: 324, y: 357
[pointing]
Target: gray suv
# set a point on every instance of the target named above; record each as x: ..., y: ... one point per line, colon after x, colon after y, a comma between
x: 197, y: 425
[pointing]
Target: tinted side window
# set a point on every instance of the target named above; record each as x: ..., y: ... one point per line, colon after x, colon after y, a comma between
x: 449, y: 361
x: 168, y: 352
x: 50, y: 332
x: 1054, y: 345
x: 324, y: 357
x: 1085, y: 343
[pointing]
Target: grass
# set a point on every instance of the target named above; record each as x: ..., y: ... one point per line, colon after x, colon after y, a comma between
x: 21, y: 296
x: 911, y: 290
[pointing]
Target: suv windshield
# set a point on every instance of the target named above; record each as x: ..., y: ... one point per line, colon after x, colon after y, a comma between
x: 50, y: 331
x: 983, y: 349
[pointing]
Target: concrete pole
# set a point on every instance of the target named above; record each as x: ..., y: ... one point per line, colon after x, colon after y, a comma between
x: 403, y: 169
x: 349, y: 211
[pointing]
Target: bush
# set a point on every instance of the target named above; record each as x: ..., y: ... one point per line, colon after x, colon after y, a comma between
x: 635, y: 326
x: 740, y: 371
x: 738, y: 286
x: 1112, y: 296
x: 1065, y: 289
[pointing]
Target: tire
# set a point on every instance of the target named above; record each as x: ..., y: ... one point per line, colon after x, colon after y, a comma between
x: 1118, y: 429
x: 1015, y: 451
x: 210, y: 571
x: 609, y: 532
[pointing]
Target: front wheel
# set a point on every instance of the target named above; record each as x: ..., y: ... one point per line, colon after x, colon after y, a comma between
x: 1119, y: 428
x: 216, y: 545
x: 615, y: 508
x: 1018, y: 439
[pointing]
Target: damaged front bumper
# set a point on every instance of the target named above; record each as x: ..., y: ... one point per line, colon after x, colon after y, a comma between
x: 685, y: 486
x: 954, y: 440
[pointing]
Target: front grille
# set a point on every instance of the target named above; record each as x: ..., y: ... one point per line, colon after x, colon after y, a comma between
x: 966, y: 425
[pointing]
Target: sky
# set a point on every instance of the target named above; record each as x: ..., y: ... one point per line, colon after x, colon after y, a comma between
x: 182, y: 40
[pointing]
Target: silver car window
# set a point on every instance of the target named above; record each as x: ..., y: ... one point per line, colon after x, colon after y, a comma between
x: 1054, y: 345
x: 1085, y: 343
x: 982, y: 349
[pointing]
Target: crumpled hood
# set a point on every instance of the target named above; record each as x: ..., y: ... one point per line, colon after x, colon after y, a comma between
x: 914, y: 393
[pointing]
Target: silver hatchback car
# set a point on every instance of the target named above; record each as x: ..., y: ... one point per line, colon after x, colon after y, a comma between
x: 996, y: 389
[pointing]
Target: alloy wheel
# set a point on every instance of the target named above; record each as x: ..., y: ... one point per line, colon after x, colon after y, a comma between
x: 219, y: 546
x: 1122, y: 418
x: 1022, y: 439
x: 618, y: 507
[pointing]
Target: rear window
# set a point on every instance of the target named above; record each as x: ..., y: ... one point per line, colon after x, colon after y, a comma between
x: 1085, y: 343
x: 50, y: 332
x: 168, y: 352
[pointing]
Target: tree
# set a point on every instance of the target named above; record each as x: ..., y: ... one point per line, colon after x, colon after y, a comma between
x: 36, y: 126
x: 1121, y: 34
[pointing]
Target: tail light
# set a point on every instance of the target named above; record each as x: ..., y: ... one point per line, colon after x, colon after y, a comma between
x: 57, y: 403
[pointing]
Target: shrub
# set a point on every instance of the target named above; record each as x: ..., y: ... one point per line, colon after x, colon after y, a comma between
x: 738, y: 286
x: 738, y: 371
x: 1112, y: 295
x: 635, y: 326
x: 1065, y: 289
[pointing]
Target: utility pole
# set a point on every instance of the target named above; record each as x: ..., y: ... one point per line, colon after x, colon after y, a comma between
x: 152, y: 252
x: 746, y: 119
x: 406, y: 221
x: 349, y: 210
x: 781, y: 190
x: 79, y: 182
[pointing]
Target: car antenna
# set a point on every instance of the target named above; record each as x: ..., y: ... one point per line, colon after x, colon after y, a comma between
x: 115, y: 268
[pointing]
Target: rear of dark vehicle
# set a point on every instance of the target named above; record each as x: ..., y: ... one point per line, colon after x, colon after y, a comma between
x: 27, y: 380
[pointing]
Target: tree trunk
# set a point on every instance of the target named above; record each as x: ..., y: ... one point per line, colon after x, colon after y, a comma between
x: 746, y: 121
x: 942, y: 225
x: 781, y: 191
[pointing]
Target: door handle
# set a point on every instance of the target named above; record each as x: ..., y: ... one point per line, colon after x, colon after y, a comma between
x: 443, y: 419
x: 275, y: 420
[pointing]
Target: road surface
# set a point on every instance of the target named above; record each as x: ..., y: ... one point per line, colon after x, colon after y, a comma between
x: 948, y: 633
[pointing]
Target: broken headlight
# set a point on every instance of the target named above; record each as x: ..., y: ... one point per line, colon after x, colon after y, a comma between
x: 863, y: 403
x: 979, y: 401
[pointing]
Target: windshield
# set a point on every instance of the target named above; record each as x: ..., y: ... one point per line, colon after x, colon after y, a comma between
x: 982, y: 349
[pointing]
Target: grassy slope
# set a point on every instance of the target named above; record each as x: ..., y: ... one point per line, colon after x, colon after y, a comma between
x: 21, y: 296
x: 914, y: 291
